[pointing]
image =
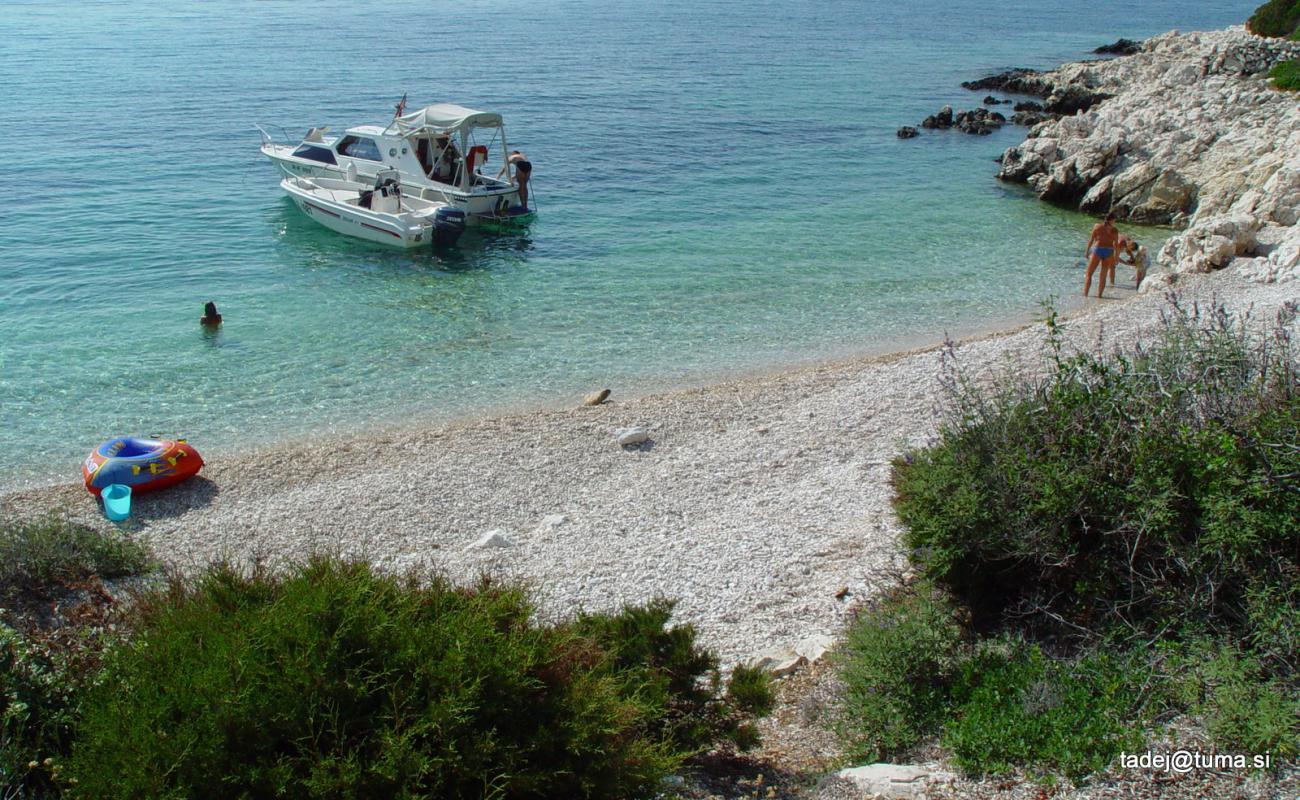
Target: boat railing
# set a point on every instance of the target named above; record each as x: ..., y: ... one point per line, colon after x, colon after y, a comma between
x: 268, y: 139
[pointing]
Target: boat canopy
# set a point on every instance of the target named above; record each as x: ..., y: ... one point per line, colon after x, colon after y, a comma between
x: 445, y: 118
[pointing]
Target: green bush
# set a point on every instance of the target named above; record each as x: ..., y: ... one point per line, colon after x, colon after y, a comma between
x: 680, y: 680
x: 1025, y: 709
x: 45, y: 556
x: 1286, y: 75
x: 335, y: 681
x: 46, y: 662
x: 1276, y: 18
x: 1243, y: 709
x: 1155, y: 489
x: 37, y: 696
x: 897, y: 663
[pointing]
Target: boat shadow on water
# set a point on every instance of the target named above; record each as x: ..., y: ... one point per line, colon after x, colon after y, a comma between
x: 479, y: 248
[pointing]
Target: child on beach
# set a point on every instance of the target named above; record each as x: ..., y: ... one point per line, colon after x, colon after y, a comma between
x: 1137, y: 259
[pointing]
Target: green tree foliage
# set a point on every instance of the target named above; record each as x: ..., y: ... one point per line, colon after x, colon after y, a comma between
x: 1276, y: 18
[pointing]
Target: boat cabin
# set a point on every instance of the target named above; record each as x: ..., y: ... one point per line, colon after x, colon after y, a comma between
x: 438, y: 143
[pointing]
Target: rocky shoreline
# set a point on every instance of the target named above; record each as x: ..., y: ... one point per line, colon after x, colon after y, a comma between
x: 1186, y: 132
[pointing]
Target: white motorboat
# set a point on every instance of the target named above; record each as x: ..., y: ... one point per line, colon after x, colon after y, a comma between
x: 436, y: 150
x: 377, y: 212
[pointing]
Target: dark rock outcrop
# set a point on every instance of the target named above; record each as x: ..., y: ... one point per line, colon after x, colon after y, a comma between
x: 990, y: 100
x: 941, y: 120
x: 980, y: 121
x: 1027, y: 105
x: 1017, y: 81
x: 1123, y: 47
x: 1072, y: 99
x: 1030, y: 118
x: 908, y: 132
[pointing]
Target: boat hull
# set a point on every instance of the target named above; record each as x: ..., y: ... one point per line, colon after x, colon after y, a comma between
x: 338, y: 205
x: 372, y: 230
x: 479, y: 202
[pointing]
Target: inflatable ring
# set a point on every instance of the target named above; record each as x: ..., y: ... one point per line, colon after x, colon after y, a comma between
x: 142, y: 464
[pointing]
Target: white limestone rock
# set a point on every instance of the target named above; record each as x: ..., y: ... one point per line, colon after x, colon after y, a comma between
x: 893, y: 780
x: 490, y: 540
x: 1222, y: 142
x: 627, y: 437
x: 780, y: 661
x: 1211, y: 243
x: 814, y: 648
x: 551, y: 523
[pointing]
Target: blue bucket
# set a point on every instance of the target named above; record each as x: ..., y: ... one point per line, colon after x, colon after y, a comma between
x: 117, y: 501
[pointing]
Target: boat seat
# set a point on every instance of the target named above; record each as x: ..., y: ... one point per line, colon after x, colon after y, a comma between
x: 385, y: 203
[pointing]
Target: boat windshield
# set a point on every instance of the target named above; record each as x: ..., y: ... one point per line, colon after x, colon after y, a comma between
x: 315, y: 152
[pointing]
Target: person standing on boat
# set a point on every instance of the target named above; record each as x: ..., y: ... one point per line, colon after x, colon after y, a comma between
x: 1103, y: 251
x: 445, y: 168
x: 523, y: 171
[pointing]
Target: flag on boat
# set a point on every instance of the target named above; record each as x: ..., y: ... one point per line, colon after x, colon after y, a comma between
x: 401, y: 106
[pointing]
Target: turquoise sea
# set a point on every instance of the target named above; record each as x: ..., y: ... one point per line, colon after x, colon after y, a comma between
x: 719, y: 189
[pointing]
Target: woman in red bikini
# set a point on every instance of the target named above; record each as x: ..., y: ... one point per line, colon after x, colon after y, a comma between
x: 1103, y: 251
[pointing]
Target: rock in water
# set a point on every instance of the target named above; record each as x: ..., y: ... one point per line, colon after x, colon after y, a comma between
x: 1123, y: 47
x: 908, y: 132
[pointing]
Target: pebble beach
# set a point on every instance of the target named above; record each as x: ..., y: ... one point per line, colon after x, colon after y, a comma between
x: 755, y: 503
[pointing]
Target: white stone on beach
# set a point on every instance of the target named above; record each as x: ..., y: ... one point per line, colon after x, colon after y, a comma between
x: 892, y: 780
x: 551, y: 522
x: 813, y: 648
x: 493, y: 538
x: 780, y: 661
x: 630, y: 436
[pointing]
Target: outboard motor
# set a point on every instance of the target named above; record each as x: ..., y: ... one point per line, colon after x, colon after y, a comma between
x: 448, y: 225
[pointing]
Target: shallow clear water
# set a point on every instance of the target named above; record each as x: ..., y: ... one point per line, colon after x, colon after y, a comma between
x: 719, y: 185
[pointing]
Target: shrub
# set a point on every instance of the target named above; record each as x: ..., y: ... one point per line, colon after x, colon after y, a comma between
x: 1286, y: 75
x: 48, y: 659
x: 36, y: 715
x: 336, y: 681
x: 1024, y: 709
x: 1243, y: 709
x: 1156, y: 489
x: 897, y: 663
x: 44, y: 556
x: 1275, y: 18
x: 680, y: 679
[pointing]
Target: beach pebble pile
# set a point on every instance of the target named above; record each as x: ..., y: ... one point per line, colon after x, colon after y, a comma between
x: 1193, y: 135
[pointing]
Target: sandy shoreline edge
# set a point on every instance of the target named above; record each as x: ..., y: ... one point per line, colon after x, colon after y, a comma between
x: 754, y: 504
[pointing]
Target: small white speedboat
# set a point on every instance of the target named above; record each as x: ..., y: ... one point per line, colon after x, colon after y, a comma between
x: 442, y: 152
x: 377, y: 213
